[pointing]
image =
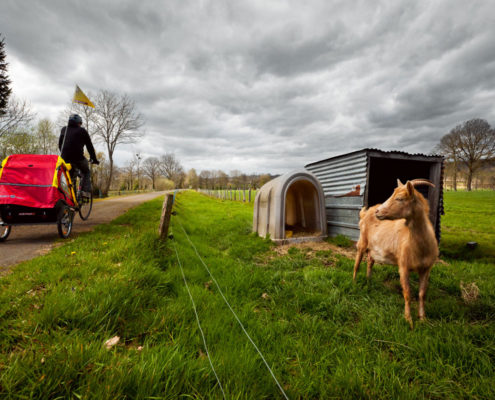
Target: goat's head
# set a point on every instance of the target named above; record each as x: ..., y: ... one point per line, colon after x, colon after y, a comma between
x: 400, y: 204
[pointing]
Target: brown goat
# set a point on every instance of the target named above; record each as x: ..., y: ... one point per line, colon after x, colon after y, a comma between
x: 399, y: 232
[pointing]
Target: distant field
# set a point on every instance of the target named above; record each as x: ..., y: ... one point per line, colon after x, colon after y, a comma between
x: 469, y: 216
x: 323, y: 336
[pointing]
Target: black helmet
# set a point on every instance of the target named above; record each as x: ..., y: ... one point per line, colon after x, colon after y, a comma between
x: 76, y: 118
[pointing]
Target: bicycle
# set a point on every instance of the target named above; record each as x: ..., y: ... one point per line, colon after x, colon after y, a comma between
x: 84, y: 203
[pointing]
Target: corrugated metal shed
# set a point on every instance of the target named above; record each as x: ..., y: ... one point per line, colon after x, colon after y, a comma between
x: 368, y: 177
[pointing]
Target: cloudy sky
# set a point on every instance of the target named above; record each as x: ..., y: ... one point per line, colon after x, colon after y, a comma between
x: 262, y: 86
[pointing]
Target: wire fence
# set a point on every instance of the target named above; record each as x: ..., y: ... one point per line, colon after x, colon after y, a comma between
x: 242, y: 195
x: 232, y: 311
x: 198, y: 322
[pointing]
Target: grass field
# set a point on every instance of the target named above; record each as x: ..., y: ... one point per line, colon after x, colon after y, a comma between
x: 323, y: 336
x: 469, y: 216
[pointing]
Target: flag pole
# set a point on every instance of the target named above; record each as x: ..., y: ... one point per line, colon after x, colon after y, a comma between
x: 71, y: 184
x: 77, y: 95
x: 66, y: 129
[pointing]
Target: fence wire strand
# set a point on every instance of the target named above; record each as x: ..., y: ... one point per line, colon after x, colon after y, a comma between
x: 233, y: 312
x: 197, y: 320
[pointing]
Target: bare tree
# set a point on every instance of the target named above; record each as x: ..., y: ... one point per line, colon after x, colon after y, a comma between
x: 192, y: 180
x: 234, y: 178
x: 244, y: 181
x: 171, y: 169
x: 475, y: 142
x: 151, y: 168
x: 222, y: 179
x: 116, y: 121
x: 17, y: 116
x: 128, y: 171
x: 205, y: 179
x: 449, y: 147
x: 45, y: 137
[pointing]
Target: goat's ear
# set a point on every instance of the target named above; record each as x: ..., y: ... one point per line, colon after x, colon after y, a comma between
x: 410, y: 188
x: 399, y: 183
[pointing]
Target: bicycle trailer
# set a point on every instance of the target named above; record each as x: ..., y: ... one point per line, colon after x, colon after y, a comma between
x: 35, y: 189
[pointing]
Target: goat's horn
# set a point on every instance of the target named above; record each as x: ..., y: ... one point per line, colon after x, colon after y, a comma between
x: 419, y: 182
x: 399, y: 183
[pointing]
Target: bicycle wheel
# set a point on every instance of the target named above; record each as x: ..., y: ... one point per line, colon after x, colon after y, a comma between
x: 85, y: 206
x: 64, y: 222
x: 4, y: 232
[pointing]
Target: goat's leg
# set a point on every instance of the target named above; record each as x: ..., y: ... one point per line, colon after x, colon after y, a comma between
x: 406, y: 292
x: 424, y: 277
x: 371, y: 262
x: 359, y: 257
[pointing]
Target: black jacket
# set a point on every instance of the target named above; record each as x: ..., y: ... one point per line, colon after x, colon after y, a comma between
x: 77, y: 138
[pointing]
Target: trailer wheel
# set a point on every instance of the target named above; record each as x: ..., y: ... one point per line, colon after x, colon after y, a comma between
x: 4, y: 232
x: 64, y: 222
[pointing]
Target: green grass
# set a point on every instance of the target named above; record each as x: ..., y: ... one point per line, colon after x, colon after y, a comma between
x: 324, y: 336
x: 469, y: 216
x: 341, y: 241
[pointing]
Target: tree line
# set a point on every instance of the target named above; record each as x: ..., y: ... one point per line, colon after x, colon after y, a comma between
x: 469, y: 150
x: 157, y: 173
x: 218, y: 179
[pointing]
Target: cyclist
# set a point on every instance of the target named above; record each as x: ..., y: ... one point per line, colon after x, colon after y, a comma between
x: 72, y: 150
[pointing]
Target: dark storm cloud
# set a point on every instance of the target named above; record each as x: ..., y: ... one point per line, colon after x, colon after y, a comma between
x: 262, y: 86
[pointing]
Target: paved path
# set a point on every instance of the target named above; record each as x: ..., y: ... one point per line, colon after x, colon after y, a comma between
x: 26, y: 242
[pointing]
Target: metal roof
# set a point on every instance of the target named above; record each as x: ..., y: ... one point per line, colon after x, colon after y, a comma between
x: 371, y: 150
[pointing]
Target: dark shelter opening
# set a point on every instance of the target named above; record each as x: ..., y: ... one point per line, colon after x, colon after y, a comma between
x: 302, y: 210
x: 384, y: 172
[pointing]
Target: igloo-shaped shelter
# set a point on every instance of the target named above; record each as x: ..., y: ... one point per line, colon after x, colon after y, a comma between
x: 291, y: 208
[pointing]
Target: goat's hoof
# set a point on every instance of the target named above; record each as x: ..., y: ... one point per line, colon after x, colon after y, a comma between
x: 410, y: 321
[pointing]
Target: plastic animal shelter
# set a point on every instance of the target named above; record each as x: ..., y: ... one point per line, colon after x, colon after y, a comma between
x: 367, y: 177
x: 291, y: 208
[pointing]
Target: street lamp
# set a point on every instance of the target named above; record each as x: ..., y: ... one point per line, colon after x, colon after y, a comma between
x: 138, y: 156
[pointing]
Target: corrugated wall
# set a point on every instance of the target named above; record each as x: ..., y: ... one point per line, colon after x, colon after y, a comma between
x: 339, y: 176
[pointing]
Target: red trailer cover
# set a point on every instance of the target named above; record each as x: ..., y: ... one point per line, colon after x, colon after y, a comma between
x: 34, y: 180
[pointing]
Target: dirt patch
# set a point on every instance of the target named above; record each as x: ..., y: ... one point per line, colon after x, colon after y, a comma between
x: 313, y: 247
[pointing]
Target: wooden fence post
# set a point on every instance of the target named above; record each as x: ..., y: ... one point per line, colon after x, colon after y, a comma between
x: 165, y: 218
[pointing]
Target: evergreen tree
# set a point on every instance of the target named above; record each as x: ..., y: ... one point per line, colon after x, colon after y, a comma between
x: 5, y: 89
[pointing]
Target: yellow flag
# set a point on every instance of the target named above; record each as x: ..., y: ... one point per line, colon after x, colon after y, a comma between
x: 80, y: 97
